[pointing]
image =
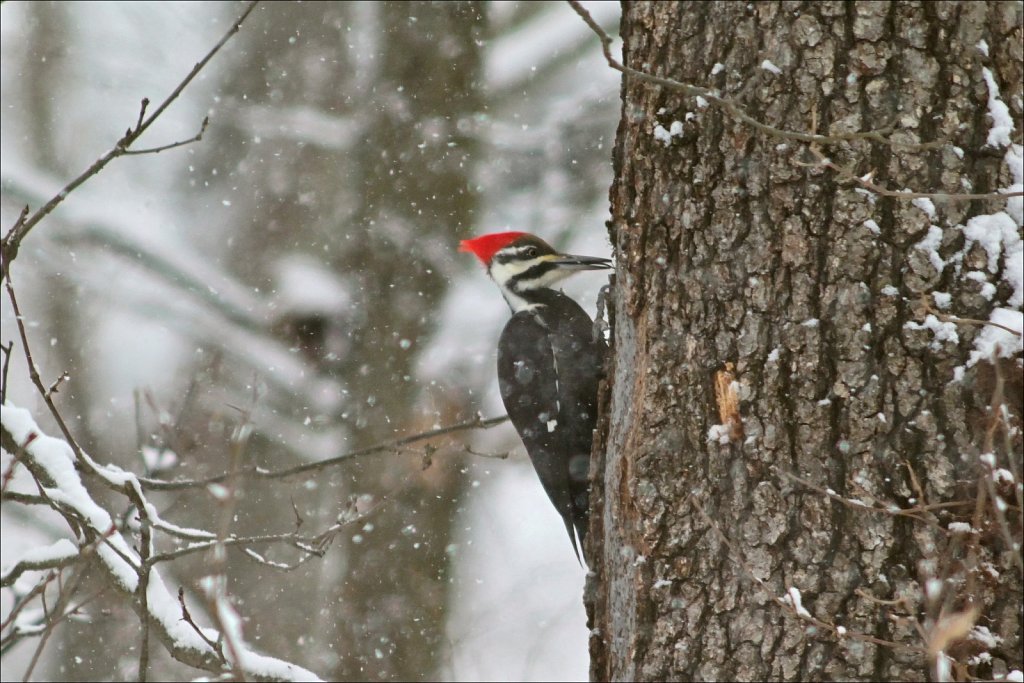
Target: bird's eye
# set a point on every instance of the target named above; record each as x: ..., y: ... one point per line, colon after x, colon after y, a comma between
x: 531, y: 251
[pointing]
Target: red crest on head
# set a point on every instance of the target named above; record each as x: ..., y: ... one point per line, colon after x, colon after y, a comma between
x: 486, y: 246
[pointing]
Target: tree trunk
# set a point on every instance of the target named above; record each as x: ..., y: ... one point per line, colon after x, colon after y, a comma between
x: 751, y: 281
x: 389, y: 617
x: 376, y: 205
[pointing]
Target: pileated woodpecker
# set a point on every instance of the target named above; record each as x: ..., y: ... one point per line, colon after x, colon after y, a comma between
x: 549, y: 365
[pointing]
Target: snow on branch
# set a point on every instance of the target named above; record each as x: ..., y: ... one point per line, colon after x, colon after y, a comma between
x: 58, y: 554
x: 55, y: 465
x: 51, y: 462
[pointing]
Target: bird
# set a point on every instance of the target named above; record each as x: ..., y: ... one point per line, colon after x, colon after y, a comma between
x: 550, y: 362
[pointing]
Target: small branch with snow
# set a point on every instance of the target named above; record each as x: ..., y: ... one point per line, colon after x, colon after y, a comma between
x: 52, y: 462
x: 54, y: 617
x: 187, y: 618
x: 20, y: 601
x: 54, y: 556
x: 966, y: 321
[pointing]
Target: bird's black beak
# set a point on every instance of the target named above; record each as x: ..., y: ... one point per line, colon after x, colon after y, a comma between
x: 572, y: 262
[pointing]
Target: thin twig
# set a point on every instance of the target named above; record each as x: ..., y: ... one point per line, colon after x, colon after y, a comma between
x: 3, y: 377
x: 943, y: 317
x: 737, y: 112
x: 12, y: 241
x: 475, y: 423
x: 847, y: 176
x: 181, y: 143
x: 891, y: 510
x: 187, y: 618
x: 169, y: 432
x: 217, y: 587
x: 142, y: 113
x: 63, y: 598
x: 33, y: 371
x: 20, y: 603
x: 291, y: 538
x: 784, y: 604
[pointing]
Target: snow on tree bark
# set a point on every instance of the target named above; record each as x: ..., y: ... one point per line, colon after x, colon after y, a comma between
x: 737, y: 247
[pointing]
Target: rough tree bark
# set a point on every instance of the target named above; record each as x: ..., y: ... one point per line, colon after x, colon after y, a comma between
x: 730, y: 251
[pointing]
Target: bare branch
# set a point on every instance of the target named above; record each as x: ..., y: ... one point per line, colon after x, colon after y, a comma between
x: 476, y: 423
x: 788, y: 605
x: 891, y: 509
x: 733, y: 109
x: 142, y: 592
x: 7, y: 363
x: 181, y: 143
x: 23, y: 498
x: 63, y: 598
x: 12, y: 240
x: 33, y: 371
x: 847, y: 176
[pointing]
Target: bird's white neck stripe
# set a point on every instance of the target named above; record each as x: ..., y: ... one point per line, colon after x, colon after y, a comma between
x: 516, y: 302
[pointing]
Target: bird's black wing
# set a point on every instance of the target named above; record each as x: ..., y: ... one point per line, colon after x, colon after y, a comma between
x: 579, y: 360
x: 549, y: 367
x: 530, y: 390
